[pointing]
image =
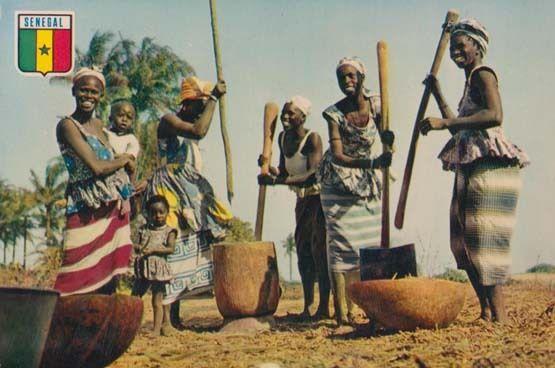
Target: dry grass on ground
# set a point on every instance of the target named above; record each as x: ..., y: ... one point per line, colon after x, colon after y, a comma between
x: 528, y: 341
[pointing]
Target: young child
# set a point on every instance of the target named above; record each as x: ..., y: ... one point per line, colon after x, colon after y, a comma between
x: 121, y: 137
x: 300, y: 155
x: 156, y: 241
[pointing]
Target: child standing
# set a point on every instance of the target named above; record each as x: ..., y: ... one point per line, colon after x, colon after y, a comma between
x: 156, y: 241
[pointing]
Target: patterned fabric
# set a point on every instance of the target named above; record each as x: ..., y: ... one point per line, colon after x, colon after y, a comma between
x: 468, y: 145
x: 357, y: 143
x: 180, y: 150
x: 483, y: 217
x: 97, y: 247
x: 352, y: 223
x: 194, y: 211
x: 153, y: 267
x: 310, y: 234
x: 192, y: 267
x: 84, y: 189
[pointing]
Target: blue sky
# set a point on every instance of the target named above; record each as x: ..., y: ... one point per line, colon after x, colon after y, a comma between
x: 275, y: 49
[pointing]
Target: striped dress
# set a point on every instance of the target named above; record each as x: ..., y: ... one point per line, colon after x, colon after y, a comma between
x: 97, y: 244
x: 194, y: 211
x: 485, y: 194
x: 350, y: 196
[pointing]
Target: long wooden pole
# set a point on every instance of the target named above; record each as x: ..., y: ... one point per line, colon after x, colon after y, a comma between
x: 270, y: 121
x: 223, y: 116
x: 451, y: 17
x: 383, y: 72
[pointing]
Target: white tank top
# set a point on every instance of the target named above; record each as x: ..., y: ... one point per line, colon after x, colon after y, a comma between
x: 296, y: 164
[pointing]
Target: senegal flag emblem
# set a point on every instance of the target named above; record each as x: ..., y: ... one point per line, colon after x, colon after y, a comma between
x: 44, y: 42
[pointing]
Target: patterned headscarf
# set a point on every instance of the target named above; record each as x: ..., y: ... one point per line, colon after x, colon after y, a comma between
x: 88, y: 72
x: 302, y: 104
x: 473, y: 29
x: 193, y: 88
x: 353, y: 61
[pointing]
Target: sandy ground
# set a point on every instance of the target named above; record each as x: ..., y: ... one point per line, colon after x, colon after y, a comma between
x: 528, y: 341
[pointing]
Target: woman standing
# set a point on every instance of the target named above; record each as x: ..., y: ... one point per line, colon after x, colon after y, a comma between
x: 486, y: 166
x: 351, y: 189
x: 194, y: 210
x: 97, y: 243
x: 300, y: 155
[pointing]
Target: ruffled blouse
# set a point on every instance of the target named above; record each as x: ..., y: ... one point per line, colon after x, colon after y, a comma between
x: 469, y: 145
x: 357, y: 143
x: 84, y: 189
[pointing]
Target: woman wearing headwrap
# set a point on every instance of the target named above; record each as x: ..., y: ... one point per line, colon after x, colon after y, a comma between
x: 194, y: 209
x: 97, y: 243
x: 300, y: 155
x: 486, y: 166
x: 351, y: 189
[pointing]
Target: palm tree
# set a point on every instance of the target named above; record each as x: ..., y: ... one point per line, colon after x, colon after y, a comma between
x: 48, y: 194
x: 289, y: 245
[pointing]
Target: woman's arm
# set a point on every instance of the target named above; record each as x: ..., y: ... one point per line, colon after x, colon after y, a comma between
x: 490, y: 116
x: 70, y: 134
x: 198, y: 129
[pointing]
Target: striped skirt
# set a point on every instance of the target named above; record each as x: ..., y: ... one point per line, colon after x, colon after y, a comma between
x: 97, y: 247
x: 192, y: 267
x: 352, y: 223
x: 483, y: 218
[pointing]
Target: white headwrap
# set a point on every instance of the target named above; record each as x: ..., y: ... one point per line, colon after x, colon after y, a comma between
x: 302, y: 104
x: 87, y: 72
x: 473, y: 29
x: 353, y: 61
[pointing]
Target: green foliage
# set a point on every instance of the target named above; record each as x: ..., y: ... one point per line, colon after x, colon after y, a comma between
x: 146, y: 73
x: 289, y: 244
x: 238, y: 230
x: 453, y: 275
x: 542, y: 268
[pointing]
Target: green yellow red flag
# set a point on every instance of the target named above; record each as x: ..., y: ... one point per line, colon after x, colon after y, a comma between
x: 44, y: 42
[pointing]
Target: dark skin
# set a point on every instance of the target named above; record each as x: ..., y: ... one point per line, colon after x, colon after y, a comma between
x: 466, y: 54
x: 192, y: 121
x: 357, y: 110
x: 87, y: 92
x: 194, y: 118
x: 157, y: 214
x: 292, y: 116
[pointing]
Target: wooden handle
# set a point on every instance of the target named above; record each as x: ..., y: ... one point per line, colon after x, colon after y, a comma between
x: 383, y: 72
x: 270, y: 121
x: 452, y: 17
x: 222, y: 102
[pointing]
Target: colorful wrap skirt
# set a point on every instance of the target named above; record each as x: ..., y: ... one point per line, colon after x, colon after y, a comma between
x: 485, y: 197
x: 352, y: 222
x: 97, y: 247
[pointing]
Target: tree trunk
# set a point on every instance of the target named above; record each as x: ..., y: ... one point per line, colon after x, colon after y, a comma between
x: 290, y: 266
x: 4, y: 259
x: 48, y: 225
x: 25, y: 242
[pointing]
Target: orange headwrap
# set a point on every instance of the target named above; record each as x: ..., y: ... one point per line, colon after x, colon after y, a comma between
x: 193, y: 88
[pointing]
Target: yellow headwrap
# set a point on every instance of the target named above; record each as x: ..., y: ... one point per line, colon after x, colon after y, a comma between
x: 193, y: 88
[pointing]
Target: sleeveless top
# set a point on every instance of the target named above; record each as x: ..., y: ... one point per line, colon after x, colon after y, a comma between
x: 180, y: 150
x: 84, y: 189
x: 468, y: 145
x: 357, y: 143
x: 297, y: 165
